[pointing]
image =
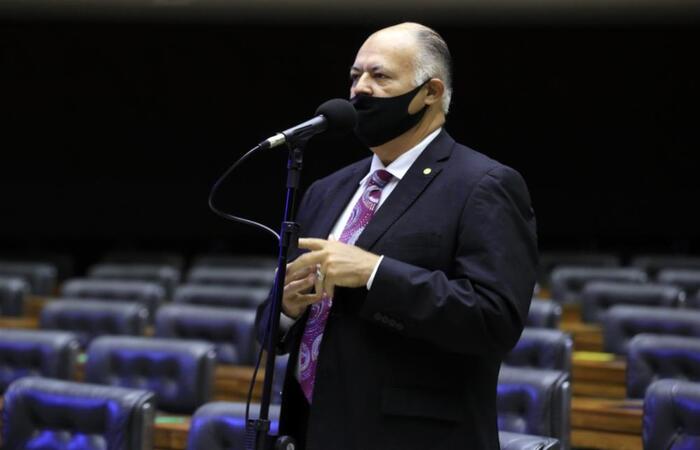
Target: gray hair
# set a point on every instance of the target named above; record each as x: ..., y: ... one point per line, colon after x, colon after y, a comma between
x: 433, y: 61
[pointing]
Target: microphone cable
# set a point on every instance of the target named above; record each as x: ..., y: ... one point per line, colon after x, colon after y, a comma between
x: 258, y: 225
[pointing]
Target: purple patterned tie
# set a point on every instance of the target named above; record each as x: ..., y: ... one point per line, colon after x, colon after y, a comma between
x: 360, y: 216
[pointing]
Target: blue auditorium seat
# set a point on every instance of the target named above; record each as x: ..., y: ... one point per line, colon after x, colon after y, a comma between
x: 34, y: 352
x: 41, y: 277
x: 13, y: 291
x: 165, y: 275
x: 598, y: 296
x: 231, y: 330
x: 232, y: 276
x: 180, y: 373
x: 652, y: 357
x: 686, y: 279
x: 568, y: 282
x: 144, y: 257
x: 221, y: 425
x: 622, y: 323
x: 541, y: 348
x: 553, y: 259
x: 91, y: 318
x: 652, y: 264
x: 46, y: 414
x: 517, y: 441
x: 228, y: 296
x: 148, y: 293
x: 671, y: 415
x: 534, y: 401
x: 543, y: 314
x: 223, y: 260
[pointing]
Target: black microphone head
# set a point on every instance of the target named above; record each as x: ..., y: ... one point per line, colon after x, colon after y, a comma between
x: 340, y: 115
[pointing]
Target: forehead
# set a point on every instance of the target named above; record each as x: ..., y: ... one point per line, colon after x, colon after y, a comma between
x: 391, y: 50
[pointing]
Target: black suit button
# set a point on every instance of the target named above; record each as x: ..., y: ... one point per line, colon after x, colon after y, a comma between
x: 377, y: 316
x: 399, y: 327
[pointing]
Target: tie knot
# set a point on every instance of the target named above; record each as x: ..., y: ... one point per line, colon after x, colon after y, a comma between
x: 380, y: 178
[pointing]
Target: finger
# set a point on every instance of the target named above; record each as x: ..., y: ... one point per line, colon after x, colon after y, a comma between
x: 295, y: 275
x: 308, y: 260
x: 308, y: 299
x: 312, y: 243
x: 300, y: 285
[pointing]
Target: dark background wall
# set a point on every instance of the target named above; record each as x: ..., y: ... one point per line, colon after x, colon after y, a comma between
x: 114, y: 131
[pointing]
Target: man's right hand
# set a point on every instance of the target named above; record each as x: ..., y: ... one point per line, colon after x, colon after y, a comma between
x: 297, y: 288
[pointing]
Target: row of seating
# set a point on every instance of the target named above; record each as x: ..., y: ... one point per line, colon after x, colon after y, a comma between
x: 13, y: 293
x: 69, y: 412
x: 651, y: 264
x: 166, y: 270
x: 568, y: 283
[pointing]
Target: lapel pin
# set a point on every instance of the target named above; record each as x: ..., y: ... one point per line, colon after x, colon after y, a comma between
x: 427, y: 171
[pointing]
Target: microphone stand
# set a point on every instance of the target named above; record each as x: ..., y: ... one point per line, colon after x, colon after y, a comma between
x: 258, y: 429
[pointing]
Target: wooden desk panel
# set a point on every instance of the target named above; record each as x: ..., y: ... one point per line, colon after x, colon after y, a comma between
x: 606, y: 424
x: 587, y: 337
x: 598, y: 375
x: 19, y: 323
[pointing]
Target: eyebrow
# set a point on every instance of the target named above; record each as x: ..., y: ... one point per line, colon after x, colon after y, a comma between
x: 374, y: 68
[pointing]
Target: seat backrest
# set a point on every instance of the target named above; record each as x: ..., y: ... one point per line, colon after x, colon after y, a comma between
x: 13, y: 291
x: 165, y: 275
x: 89, y: 319
x: 228, y: 296
x: 179, y: 372
x: 652, y: 264
x: 518, y: 441
x: 41, y: 277
x: 231, y: 330
x: 148, y: 293
x: 653, y: 357
x: 534, y: 401
x: 672, y: 415
x: 24, y: 353
x: 694, y: 301
x: 140, y: 257
x: 553, y: 259
x: 543, y: 314
x: 52, y: 414
x: 568, y: 282
x: 622, y: 323
x: 598, y: 296
x: 232, y: 276
x: 542, y: 349
x: 221, y: 425
x: 224, y: 260
x: 686, y: 279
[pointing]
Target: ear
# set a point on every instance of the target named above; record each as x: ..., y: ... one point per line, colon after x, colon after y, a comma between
x: 435, y: 90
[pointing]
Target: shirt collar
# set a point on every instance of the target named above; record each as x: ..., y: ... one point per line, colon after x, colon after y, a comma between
x: 400, y: 165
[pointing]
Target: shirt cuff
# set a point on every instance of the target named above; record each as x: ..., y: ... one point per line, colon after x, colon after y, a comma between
x: 374, y: 272
x: 286, y: 323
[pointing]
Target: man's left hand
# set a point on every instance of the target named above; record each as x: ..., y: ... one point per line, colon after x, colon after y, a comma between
x: 339, y: 264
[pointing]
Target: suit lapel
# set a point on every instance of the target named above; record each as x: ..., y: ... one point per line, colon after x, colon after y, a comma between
x: 336, y: 199
x: 409, y: 189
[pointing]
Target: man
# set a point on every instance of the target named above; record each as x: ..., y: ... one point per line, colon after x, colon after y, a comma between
x: 418, y: 273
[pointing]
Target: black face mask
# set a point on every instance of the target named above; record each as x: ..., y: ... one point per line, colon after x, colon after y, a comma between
x: 381, y: 119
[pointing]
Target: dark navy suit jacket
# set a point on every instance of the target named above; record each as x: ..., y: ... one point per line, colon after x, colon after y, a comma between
x: 413, y: 362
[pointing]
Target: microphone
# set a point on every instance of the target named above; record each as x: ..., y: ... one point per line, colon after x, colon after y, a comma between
x: 336, y: 116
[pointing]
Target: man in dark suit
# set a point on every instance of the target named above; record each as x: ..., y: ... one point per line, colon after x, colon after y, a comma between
x: 418, y: 272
